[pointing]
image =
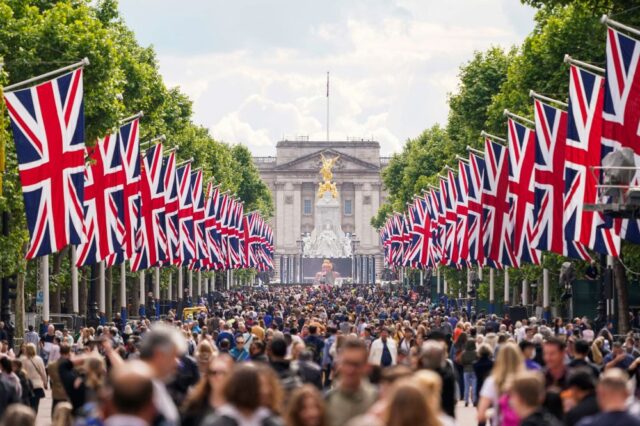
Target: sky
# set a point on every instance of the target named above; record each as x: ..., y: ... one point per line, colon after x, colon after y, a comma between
x: 256, y: 70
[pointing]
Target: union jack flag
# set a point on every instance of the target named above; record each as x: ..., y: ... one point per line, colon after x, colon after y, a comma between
x: 103, y: 203
x: 475, y: 177
x: 448, y: 192
x: 582, y: 153
x: 151, y: 236
x: 420, y: 251
x: 385, y: 240
x: 496, y: 206
x: 216, y: 259
x: 521, y: 191
x: 462, y: 212
x: 551, y: 139
x: 129, y: 145
x: 235, y: 237
x: 48, y: 129
x: 202, y: 251
x: 252, y: 240
x: 185, y: 215
x: 439, y: 222
x: 397, y: 243
x: 223, y: 227
x: 171, y: 207
x: 621, y: 114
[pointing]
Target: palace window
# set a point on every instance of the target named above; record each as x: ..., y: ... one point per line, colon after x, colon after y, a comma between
x: 307, y: 208
x: 348, y: 208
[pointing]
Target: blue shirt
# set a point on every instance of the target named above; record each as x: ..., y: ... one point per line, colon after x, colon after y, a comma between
x: 624, y: 364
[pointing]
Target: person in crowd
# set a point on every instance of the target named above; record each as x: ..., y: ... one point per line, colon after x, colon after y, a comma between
x: 383, y: 351
x: 31, y: 336
x: 58, y: 393
x: 206, y: 395
x: 612, y: 395
x: 468, y: 359
x: 581, y: 358
x: 308, y: 371
x: 160, y: 349
x: 36, y: 373
x: 526, y: 397
x: 132, y: 395
x: 580, y: 402
x: 408, y: 406
x: 62, y: 415
x: 18, y: 415
x: 306, y: 407
x: 555, y: 373
x: 528, y: 349
x: 244, y: 396
x: 618, y: 358
x: 433, y: 357
x: 353, y: 394
x: 431, y: 384
x: 239, y: 353
x: 494, y: 393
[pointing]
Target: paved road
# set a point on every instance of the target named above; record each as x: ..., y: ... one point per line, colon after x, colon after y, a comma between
x: 465, y: 416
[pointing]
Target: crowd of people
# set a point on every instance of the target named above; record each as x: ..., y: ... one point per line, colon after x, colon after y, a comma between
x: 324, y: 356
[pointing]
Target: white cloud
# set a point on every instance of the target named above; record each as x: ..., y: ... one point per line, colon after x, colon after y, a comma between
x: 391, y: 63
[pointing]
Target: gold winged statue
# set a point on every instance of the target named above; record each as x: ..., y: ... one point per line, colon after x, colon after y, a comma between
x: 327, y: 175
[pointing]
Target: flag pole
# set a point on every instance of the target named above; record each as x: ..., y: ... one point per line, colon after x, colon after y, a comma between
x: 475, y: 151
x: 569, y: 60
x: 493, y: 137
x: 615, y: 24
x: 131, y: 118
x: 543, y: 98
x: 157, y: 138
x: 509, y: 114
x: 184, y: 162
x: 71, y: 67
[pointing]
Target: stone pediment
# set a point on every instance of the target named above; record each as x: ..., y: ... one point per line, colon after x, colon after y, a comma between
x: 313, y: 161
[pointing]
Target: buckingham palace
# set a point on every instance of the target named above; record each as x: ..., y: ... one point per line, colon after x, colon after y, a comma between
x: 293, y: 177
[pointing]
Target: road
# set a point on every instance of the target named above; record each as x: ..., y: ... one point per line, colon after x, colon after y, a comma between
x: 465, y: 416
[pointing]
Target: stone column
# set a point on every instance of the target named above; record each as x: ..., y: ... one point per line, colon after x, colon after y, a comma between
x: 492, y: 289
x: 281, y: 269
x: 525, y: 292
x: 373, y: 269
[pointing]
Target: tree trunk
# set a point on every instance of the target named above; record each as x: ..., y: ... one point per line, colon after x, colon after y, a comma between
x: 82, y: 291
x: 108, y: 293
x: 56, y: 290
x: 20, y: 324
x: 620, y: 283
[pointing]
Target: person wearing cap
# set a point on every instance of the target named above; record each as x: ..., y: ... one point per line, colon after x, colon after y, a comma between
x: 581, y: 389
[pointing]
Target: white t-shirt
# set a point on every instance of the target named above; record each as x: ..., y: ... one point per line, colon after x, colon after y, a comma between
x: 490, y: 392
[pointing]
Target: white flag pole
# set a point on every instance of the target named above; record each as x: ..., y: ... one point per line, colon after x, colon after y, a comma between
x: 75, y: 301
x: 71, y: 67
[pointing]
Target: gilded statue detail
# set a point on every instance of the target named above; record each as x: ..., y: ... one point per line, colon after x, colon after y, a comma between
x: 327, y: 175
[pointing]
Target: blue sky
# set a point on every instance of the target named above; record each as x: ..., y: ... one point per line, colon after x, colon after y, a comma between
x: 256, y: 69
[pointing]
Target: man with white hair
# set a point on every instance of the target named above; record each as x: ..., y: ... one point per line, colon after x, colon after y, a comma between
x: 160, y: 349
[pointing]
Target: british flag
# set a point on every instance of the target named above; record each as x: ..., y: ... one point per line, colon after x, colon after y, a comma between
x: 151, y: 236
x: 236, y: 240
x: 216, y: 260
x: 582, y: 153
x: 103, y: 203
x: 522, y: 221
x: 621, y: 113
x: 462, y: 212
x: 397, y: 243
x: 171, y: 207
x: 439, y: 222
x: 385, y: 240
x: 475, y: 177
x: 202, y: 251
x: 551, y: 139
x: 252, y: 240
x: 223, y: 227
x: 449, y: 196
x: 48, y: 130
x: 420, y: 251
x: 496, y: 206
x: 185, y: 215
x: 129, y: 143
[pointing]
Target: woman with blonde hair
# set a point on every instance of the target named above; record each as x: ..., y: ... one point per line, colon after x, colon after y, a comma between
x: 206, y: 396
x: 431, y: 384
x: 205, y: 353
x: 509, y: 361
x: 306, y: 408
x: 36, y: 372
x: 408, y: 406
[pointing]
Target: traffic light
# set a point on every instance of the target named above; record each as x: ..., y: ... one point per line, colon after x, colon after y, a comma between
x: 12, y: 285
